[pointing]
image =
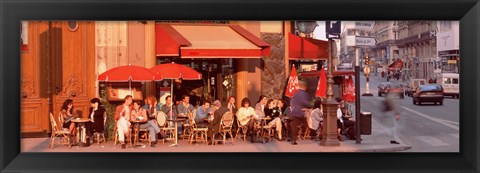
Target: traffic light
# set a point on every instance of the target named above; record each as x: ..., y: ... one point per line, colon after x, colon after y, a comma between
x: 367, y: 60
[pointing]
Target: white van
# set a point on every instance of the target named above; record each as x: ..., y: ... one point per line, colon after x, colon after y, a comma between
x: 450, y: 83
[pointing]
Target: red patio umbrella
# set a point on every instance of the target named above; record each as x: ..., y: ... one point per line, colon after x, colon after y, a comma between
x: 349, y: 89
x: 127, y: 73
x: 322, y: 85
x: 174, y: 71
x: 292, y: 86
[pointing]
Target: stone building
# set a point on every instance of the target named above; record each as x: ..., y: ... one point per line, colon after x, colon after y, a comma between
x: 417, y: 46
x: 386, y: 50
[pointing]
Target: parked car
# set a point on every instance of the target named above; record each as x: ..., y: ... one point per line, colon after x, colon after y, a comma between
x: 382, y: 87
x: 428, y: 93
x: 398, y: 87
x: 413, y: 85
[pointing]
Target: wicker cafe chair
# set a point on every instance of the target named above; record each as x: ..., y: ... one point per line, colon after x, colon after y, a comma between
x: 56, y: 132
x: 186, y: 126
x: 226, y: 126
x: 241, y: 128
x: 306, y: 134
x: 263, y: 130
x: 197, y: 134
x: 162, y: 123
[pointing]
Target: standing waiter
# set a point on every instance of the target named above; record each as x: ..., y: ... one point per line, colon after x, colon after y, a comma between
x: 299, y: 105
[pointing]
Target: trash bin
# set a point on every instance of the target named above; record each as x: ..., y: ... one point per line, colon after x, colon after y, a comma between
x: 366, y: 123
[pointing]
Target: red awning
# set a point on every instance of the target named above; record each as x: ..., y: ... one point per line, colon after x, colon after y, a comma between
x: 306, y: 48
x: 398, y: 64
x: 208, y: 41
x: 335, y: 73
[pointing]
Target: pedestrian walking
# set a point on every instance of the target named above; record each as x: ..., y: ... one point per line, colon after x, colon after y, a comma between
x: 392, y: 113
x: 299, y: 105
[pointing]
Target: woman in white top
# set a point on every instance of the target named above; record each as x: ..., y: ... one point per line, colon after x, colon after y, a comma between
x: 316, y: 118
x: 245, y: 114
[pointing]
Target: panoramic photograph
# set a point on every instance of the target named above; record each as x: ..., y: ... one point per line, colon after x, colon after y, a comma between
x: 240, y: 86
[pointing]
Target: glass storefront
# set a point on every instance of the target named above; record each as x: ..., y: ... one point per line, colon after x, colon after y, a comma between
x: 217, y: 78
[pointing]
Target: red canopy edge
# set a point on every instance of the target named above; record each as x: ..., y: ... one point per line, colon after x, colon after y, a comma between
x: 252, y: 38
x: 168, y: 40
x: 305, y: 48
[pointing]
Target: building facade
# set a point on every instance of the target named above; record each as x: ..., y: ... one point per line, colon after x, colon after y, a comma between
x: 448, y: 36
x: 386, y: 50
x: 417, y: 47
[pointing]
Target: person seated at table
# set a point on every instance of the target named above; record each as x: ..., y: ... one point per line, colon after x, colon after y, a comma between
x: 67, y: 114
x: 260, y: 106
x: 183, y: 109
x: 230, y: 104
x: 151, y: 106
x: 168, y: 108
x: 245, y: 115
x: 214, y: 126
x: 140, y: 114
x: 96, y: 113
x: 202, y: 113
x: 122, y: 116
x: 343, y: 118
x: 316, y: 119
x: 272, y: 112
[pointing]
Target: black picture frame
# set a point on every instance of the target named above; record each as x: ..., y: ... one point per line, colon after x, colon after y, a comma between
x: 12, y: 12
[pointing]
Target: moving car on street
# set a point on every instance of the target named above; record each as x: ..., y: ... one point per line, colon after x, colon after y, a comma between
x: 428, y: 93
x: 382, y: 88
x: 386, y: 87
x: 398, y: 88
x: 413, y: 85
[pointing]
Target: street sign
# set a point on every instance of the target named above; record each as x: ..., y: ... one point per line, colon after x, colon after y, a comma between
x: 364, y: 25
x: 360, y: 41
x: 333, y: 29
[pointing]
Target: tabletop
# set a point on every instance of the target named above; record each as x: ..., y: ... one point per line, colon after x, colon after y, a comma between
x: 80, y: 120
x: 177, y: 119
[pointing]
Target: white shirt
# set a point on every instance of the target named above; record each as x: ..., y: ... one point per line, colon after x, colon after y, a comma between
x: 243, y: 113
x: 339, y: 115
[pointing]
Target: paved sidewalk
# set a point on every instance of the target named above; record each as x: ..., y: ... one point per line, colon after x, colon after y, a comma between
x: 377, y: 142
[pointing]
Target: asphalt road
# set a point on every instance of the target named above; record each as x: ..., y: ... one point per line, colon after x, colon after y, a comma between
x: 426, y: 127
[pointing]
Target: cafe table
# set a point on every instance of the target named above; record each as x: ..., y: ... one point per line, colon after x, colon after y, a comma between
x: 81, y: 130
x: 263, y: 122
x: 136, y: 131
x: 175, y: 122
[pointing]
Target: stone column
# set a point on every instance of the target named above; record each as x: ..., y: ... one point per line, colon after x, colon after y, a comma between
x: 150, y: 57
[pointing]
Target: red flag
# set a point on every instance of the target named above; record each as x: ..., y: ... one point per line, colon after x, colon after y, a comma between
x: 292, y: 86
x: 322, y: 85
x: 349, y: 90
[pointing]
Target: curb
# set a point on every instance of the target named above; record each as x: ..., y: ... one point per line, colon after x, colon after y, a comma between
x: 392, y: 149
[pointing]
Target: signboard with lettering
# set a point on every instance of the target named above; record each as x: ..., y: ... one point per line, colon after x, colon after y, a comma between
x: 364, y: 25
x: 333, y: 29
x: 358, y: 41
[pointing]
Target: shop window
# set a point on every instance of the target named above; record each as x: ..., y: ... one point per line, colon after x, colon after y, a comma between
x: 447, y: 81
x: 72, y: 25
x: 454, y: 81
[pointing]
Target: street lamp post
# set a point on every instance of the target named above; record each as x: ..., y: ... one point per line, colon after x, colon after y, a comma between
x: 329, y: 136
